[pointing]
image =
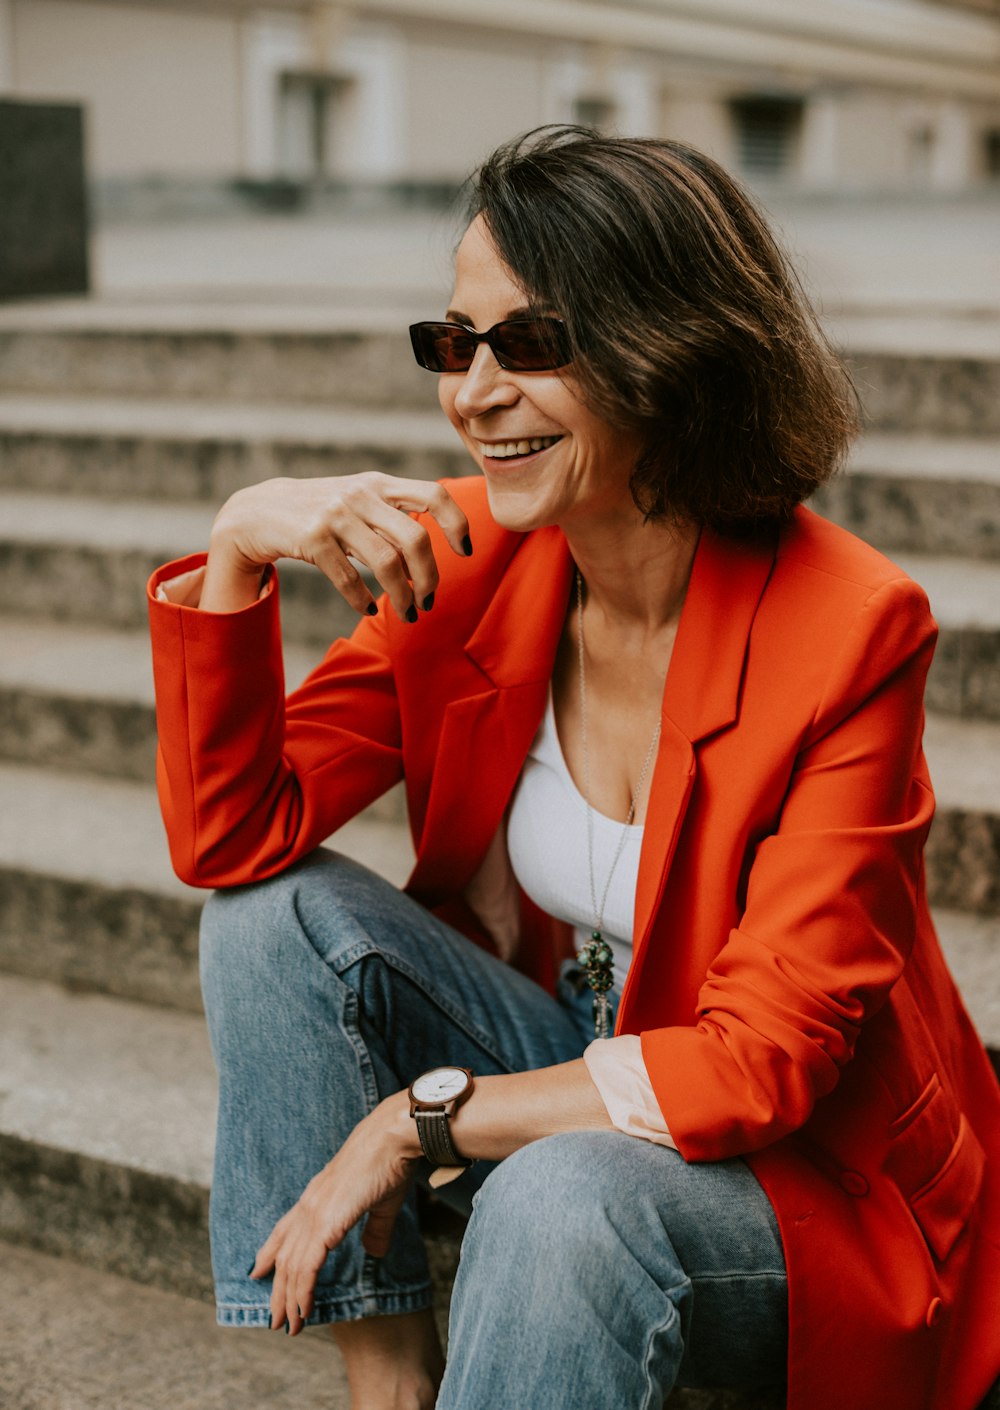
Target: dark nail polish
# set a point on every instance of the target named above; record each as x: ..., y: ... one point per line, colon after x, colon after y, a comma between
x: 372, y: 609
x: 428, y: 602
x: 253, y: 1265
x: 467, y: 546
x: 287, y: 1329
x: 269, y: 1321
x: 411, y: 613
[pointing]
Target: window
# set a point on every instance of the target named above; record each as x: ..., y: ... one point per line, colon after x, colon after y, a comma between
x: 991, y: 153
x: 594, y: 112
x: 767, y: 131
x: 307, y: 116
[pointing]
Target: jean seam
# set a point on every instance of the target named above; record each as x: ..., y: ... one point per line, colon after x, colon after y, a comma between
x: 736, y: 1275
x: 386, y: 1302
x: 460, y: 1019
x: 653, y: 1400
x: 367, y: 949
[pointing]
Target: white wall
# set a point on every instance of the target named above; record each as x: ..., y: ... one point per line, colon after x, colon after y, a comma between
x: 6, y: 46
x: 161, y: 87
x: 465, y: 98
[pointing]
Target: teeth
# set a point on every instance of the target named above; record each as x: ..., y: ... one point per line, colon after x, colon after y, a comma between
x: 504, y: 449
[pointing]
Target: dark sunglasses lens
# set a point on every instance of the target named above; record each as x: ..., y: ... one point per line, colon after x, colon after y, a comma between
x: 441, y: 347
x: 532, y: 345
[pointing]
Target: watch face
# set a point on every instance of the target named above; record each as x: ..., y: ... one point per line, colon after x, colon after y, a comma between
x: 442, y: 1084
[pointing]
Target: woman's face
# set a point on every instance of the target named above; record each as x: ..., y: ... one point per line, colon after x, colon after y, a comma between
x: 582, y: 471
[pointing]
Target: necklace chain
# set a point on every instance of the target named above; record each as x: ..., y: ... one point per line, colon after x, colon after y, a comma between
x: 596, y: 957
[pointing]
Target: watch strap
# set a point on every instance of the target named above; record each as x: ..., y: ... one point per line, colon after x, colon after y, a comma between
x: 435, y: 1138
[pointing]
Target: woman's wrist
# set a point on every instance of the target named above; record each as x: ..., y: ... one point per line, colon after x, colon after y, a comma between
x: 231, y: 582
x: 393, y: 1115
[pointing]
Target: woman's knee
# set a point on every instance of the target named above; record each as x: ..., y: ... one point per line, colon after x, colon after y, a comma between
x: 557, y: 1201
x: 251, y: 926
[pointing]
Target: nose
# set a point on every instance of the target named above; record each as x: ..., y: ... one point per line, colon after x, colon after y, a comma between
x: 484, y: 387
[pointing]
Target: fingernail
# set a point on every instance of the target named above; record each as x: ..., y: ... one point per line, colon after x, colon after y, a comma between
x: 428, y: 602
x: 467, y: 546
x: 286, y: 1329
x: 372, y: 609
x: 411, y: 613
x: 269, y: 1319
x: 253, y: 1265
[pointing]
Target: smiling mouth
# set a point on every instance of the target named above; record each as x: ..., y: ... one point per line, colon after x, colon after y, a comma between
x: 509, y: 450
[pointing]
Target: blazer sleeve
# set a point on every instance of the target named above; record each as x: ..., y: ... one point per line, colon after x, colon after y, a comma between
x: 831, y: 908
x: 248, y: 782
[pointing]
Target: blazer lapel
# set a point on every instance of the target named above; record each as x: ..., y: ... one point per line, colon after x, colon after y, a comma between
x: 486, y: 732
x: 701, y: 696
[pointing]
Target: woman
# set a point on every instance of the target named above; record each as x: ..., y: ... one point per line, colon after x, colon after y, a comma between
x: 634, y: 689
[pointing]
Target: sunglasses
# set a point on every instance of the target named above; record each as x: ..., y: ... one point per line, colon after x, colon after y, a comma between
x: 518, y: 344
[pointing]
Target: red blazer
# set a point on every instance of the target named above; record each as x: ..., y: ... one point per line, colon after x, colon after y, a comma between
x: 793, y: 1002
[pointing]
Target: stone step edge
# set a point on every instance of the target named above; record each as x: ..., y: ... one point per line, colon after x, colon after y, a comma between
x: 897, y: 455
x: 147, y: 1227
x: 195, y: 422
x: 161, y: 1350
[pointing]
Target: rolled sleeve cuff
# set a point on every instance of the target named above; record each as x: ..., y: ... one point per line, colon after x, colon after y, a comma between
x: 618, y: 1071
x: 184, y: 587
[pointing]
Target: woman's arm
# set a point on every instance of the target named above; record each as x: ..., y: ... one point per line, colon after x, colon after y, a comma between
x: 243, y: 796
x: 371, y: 1173
x: 831, y: 908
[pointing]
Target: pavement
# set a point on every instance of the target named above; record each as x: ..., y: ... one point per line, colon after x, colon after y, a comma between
x: 892, y: 258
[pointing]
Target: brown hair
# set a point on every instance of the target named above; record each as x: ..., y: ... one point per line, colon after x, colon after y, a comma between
x: 685, y: 320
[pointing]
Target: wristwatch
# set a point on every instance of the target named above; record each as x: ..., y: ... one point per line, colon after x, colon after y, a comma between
x: 434, y: 1096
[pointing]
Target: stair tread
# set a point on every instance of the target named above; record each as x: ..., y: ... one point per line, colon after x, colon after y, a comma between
x: 82, y: 662
x: 971, y: 945
x: 109, y: 831
x: 963, y: 591
x: 964, y: 760
x: 89, y: 662
x: 975, y: 458
x: 109, y: 1078
x: 164, y: 528
x: 910, y: 335
x: 252, y: 312
x: 146, y: 1347
x: 180, y: 419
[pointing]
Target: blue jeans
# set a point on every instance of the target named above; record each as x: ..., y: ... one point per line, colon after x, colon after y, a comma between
x: 597, y: 1270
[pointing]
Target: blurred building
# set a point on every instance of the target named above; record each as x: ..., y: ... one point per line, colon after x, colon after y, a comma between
x: 407, y: 95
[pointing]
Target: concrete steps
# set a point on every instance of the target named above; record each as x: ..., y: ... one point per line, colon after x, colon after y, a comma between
x: 287, y: 357
x: 83, y: 560
x: 76, y: 559
x: 191, y: 450
x: 146, y: 1350
x: 122, y: 427
x: 87, y: 896
x: 81, y: 701
x: 925, y: 494
x: 302, y: 354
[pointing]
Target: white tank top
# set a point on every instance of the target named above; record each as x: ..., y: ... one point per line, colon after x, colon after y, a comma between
x: 547, y: 842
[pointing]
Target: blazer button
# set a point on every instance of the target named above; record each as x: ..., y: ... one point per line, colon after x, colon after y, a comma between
x: 934, y: 1311
x: 854, y: 1183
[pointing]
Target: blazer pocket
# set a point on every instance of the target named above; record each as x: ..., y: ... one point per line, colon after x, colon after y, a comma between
x: 937, y: 1161
x: 942, y: 1207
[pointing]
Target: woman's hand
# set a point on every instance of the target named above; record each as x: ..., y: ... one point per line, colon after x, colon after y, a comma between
x: 370, y: 1174
x: 327, y: 522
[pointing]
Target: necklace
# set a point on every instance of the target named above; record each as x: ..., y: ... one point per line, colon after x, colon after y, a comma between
x: 596, y: 958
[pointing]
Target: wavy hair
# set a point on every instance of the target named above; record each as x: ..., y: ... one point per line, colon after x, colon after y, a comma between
x: 686, y: 321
